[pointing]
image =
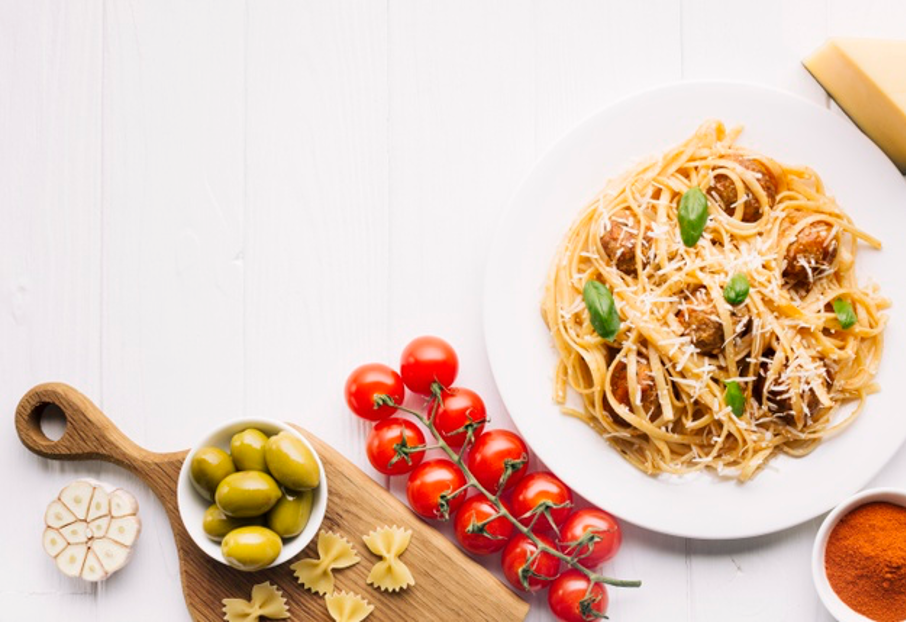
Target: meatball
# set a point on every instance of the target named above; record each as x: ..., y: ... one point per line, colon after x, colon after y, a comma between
x: 723, y: 190
x: 778, y: 399
x: 700, y: 322
x: 619, y: 241
x: 810, y: 254
x: 619, y: 385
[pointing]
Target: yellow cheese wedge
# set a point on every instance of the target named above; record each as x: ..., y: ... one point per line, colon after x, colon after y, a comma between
x: 867, y: 77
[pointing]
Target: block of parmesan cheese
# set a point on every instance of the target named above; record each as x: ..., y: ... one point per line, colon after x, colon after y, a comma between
x: 867, y: 77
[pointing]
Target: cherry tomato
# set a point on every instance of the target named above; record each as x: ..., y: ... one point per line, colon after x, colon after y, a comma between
x: 458, y: 407
x: 603, y: 525
x: 515, y: 559
x: 475, y: 510
x: 487, y: 458
x: 541, y: 489
x: 368, y: 381
x: 427, y: 360
x: 428, y: 482
x: 389, y: 435
x: 570, y: 600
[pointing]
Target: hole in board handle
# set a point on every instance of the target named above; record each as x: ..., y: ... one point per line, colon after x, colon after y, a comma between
x: 51, y: 421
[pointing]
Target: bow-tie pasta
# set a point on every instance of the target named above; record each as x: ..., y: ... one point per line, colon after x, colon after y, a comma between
x: 390, y: 574
x: 334, y: 552
x: 347, y: 607
x: 267, y: 601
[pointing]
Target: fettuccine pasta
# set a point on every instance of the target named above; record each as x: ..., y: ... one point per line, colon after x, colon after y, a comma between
x: 658, y: 390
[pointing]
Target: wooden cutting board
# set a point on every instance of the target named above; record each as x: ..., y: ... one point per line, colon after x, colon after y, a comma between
x: 449, y: 585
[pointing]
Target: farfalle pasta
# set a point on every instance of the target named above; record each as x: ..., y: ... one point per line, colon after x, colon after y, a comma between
x: 267, y: 601
x: 335, y: 552
x: 347, y: 607
x: 390, y: 574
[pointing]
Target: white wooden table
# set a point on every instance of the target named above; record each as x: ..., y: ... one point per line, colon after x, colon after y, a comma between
x: 217, y: 208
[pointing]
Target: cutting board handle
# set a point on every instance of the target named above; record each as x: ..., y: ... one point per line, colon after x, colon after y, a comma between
x: 90, y: 435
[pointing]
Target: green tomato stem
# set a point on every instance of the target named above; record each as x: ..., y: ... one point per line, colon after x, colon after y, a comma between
x: 472, y: 482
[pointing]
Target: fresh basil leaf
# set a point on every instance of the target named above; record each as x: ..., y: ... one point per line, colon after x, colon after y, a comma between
x: 845, y: 313
x: 737, y: 289
x: 693, y: 215
x: 735, y: 398
x: 602, y: 309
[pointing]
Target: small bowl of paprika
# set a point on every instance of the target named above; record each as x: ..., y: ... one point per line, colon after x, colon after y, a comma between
x: 859, y: 558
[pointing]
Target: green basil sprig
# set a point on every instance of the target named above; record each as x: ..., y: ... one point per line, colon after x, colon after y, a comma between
x: 737, y: 289
x: 845, y: 313
x: 735, y: 398
x: 602, y: 309
x: 693, y: 215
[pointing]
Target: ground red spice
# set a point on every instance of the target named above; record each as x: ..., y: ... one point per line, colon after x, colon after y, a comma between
x: 865, y: 560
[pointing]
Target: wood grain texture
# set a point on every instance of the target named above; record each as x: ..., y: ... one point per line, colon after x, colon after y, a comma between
x: 445, y: 578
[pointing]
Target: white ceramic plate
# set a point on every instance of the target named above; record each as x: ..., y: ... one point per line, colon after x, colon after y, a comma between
x: 784, y: 127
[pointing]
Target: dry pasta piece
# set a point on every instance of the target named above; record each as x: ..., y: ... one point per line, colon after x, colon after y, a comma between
x: 267, y: 601
x: 347, y: 607
x: 334, y: 552
x: 389, y: 574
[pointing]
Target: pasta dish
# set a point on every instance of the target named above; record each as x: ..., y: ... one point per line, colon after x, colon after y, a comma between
x: 706, y: 312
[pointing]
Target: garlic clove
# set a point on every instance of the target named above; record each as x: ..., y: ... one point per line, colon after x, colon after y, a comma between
x: 99, y: 527
x: 124, y: 530
x: 77, y: 497
x: 113, y: 556
x: 76, y: 533
x: 58, y: 515
x: 122, y: 503
x: 92, y: 570
x: 54, y: 542
x: 100, y: 504
x: 71, y: 560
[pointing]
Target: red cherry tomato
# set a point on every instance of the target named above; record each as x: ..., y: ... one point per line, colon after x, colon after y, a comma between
x: 599, y: 522
x: 546, y: 490
x: 368, y: 381
x: 515, y: 562
x: 428, y: 482
x: 570, y: 600
x: 476, y: 510
x: 389, y: 435
x: 427, y: 360
x: 457, y: 408
x: 489, y: 454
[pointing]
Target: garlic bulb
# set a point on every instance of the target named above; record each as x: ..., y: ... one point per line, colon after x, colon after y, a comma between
x: 90, y: 529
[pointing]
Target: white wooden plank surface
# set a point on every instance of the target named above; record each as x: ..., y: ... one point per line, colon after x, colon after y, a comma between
x: 173, y: 299
x: 216, y: 209
x: 50, y: 272
x: 317, y: 240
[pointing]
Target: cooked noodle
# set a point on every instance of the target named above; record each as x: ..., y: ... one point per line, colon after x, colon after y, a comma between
x: 657, y: 391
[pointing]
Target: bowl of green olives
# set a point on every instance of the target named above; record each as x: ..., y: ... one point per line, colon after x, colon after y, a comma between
x: 252, y: 494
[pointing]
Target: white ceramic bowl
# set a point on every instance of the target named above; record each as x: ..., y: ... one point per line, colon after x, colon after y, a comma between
x: 192, y: 505
x: 837, y: 607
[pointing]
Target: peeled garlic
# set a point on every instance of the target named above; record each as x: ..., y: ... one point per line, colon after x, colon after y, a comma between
x: 90, y: 529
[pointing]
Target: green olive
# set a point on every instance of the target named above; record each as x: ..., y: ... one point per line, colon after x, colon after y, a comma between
x: 289, y: 516
x: 247, y: 493
x: 291, y: 462
x: 247, y: 448
x: 251, y: 548
x: 209, y: 467
x: 216, y: 524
